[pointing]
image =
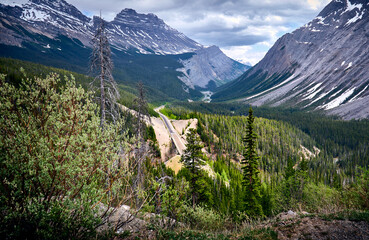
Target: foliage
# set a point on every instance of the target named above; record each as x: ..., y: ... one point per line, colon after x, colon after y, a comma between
x: 276, y: 142
x: 357, y: 195
x: 192, y: 159
x: 251, y: 179
x: 344, y: 145
x: 362, y: 189
x: 188, y: 235
x: 167, y: 112
x: 256, y: 234
x: 56, y: 164
x: 150, y: 135
x: 321, y: 198
x: 263, y: 233
x: 15, y: 70
x: 202, y: 218
x: 351, y: 215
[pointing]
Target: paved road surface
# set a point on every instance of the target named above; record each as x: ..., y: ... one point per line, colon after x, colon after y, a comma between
x: 173, y: 133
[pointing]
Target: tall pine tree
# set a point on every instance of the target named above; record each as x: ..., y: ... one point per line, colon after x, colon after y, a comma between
x: 251, y: 179
x: 192, y: 159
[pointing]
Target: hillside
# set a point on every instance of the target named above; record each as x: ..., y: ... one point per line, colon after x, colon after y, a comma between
x: 51, y: 136
x: 343, y: 145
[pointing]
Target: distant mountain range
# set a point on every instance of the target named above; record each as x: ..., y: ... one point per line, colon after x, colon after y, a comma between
x: 56, y: 33
x: 320, y: 66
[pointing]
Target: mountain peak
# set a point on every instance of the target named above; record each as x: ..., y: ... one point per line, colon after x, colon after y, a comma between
x: 128, y: 11
x: 344, y: 7
x: 130, y: 16
x: 149, y: 34
x: 47, y: 10
x: 55, y: 4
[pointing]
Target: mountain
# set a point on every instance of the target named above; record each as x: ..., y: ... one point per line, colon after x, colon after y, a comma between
x: 129, y: 29
x: 54, y: 32
x: 320, y: 66
x: 209, y: 67
x: 148, y: 33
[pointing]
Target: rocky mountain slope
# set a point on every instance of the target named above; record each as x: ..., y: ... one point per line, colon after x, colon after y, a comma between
x: 209, y: 67
x: 320, y: 66
x: 59, y: 30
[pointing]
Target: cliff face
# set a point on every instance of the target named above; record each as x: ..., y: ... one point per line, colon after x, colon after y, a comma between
x: 320, y: 66
x: 209, y: 67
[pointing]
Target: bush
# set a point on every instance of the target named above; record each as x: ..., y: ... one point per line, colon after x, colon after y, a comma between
x: 321, y: 198
x: 357, y: 196
x: 56, y: 164
x: 202, y: 218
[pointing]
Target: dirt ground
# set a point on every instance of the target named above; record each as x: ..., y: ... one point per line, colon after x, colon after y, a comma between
x: 183, y: 126
x: 162, y: 135
x: 315, y: 228
x: 174, y: 163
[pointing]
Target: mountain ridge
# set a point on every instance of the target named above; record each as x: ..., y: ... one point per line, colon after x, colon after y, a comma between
x: 320, y: 66
x: 60, y: 30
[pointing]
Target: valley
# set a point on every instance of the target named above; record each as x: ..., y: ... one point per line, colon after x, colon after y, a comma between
x: 158, y: 136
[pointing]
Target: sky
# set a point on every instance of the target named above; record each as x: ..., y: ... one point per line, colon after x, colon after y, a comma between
x: 243, y: 29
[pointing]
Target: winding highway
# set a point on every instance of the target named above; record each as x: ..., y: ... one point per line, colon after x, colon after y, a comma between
x: 172, y: 132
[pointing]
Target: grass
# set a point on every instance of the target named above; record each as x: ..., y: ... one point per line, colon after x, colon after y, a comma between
x: 351, y: 215
x: 258, y: 234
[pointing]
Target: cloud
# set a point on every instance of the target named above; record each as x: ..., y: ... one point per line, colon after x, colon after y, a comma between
x: 249, y: 55
x: 230, y: 24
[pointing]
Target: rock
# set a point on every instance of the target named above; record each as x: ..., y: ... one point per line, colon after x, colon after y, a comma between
x: 121, y: 219
x: 287, y: 215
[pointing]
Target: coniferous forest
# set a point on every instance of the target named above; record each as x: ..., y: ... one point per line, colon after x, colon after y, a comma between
x: 66, y: 174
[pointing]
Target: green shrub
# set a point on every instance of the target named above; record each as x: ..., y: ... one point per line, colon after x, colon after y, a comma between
x: 321, y: 198
x: 202, y: 218
x: 357, y: 196
x: 56, y: 164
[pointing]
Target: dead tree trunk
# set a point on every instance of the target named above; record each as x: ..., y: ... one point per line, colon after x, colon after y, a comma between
x: 142, y: 113
x: 101, y: 66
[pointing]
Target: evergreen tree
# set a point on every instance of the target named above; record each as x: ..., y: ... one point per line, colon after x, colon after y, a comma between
x: 251, y: 179
x: 192, y: 159
x: 290, y: 171
x: 301, y: 178
x: 289, y: 186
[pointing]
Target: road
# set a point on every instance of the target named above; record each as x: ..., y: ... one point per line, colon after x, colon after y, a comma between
x: 172, y: 132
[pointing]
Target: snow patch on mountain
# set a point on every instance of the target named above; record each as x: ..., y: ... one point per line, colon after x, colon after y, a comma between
x: 357, y: 17
x: 351, y: 7
x: 357, y: 95
x: 336, y: 102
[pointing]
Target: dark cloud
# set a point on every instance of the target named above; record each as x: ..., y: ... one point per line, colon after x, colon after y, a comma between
x: 229, y: 38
